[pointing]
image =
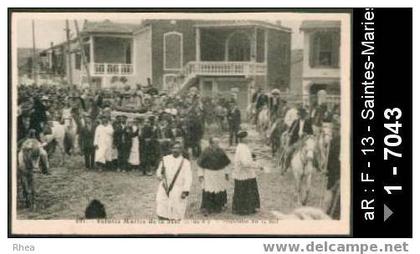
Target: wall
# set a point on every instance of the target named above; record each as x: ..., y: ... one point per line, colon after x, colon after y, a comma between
x: 296, y: 71
x: 143, y: 56
x: 159, y: 28
x: 278, y: 59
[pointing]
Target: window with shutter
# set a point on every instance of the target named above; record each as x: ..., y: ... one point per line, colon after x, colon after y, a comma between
x: 325, y: 50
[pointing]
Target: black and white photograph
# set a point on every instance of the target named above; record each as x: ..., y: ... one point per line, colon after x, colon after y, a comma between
x: 180, y: 123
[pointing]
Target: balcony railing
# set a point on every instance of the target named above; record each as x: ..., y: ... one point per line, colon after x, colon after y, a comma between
x: 225, y: 68
x: 207, y: 68
x: 112, y: 69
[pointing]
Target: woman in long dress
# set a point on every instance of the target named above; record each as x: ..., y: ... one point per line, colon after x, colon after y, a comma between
x: 246, y: 199
x: 134, y: 158
x: 213, y: 175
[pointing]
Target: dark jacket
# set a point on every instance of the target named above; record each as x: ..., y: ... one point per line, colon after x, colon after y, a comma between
x: 234, y: 118
x: 87, y: 135
x: 122, y: 136
x: 22, y: 130
x: 333, y: 167
x: 294, y: 130
x: 262, y: 100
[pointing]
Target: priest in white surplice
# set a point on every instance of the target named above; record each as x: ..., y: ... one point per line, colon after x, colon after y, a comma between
x: 174, y: 173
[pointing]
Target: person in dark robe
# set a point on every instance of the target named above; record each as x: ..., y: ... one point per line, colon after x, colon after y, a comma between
x: 164, y: 136
x: 234, y: 121
x: 23, y: 126
x: 39, y: 114
x: 333, y: 173
x: 95, y: 210
x: 151, y: 146
x: 122, y: 141
x: 194, y: 133
x: 87, y: 135
x: 213, y: 174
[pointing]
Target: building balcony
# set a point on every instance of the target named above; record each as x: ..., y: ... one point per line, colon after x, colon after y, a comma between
x: 112, y: 69
x: 216, y: 68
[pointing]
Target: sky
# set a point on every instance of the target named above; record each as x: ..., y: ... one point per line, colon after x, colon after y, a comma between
x: 47, y: 31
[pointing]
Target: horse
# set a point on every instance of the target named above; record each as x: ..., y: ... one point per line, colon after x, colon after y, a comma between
x: 220, y: 113
x: 263, y: 124
x: 302, y: 165
x: 55, y: 139
x: 323, y: 139
x: 251, y: 112
x: 70, y: 138
x: 27, y: 160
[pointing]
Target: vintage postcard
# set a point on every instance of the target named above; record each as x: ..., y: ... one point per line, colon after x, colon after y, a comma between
x: 180, y: 123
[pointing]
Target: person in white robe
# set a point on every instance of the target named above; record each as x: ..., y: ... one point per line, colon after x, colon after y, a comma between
x: 174, y: 173
x: 134, y: 158
x: 103, y: 142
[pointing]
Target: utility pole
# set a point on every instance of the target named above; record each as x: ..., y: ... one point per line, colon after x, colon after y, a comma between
x: 34, y: 56
x: 82, y: 50
x: 69, y: 66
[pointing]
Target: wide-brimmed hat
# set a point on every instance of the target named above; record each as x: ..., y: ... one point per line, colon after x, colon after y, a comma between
x: 242, y: 134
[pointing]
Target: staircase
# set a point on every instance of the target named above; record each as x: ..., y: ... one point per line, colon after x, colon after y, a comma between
x: 212, y: 68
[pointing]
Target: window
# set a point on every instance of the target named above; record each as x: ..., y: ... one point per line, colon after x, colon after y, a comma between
x: 172, y: 51
x: 325, y: 49
x: 239, y: 47
x: 78, y: 61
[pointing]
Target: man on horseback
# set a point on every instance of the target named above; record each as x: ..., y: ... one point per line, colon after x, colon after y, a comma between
x: 275, y: 104
x: 259, y: 99
x: 300, y: 128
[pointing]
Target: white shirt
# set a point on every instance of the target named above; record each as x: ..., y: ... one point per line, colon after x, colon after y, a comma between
x: 244, y: 164
x: 291, y: 116
x: 301, y: 123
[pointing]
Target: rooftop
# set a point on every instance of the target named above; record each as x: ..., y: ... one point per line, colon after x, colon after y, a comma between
x: 224, y: 23
x: 320, y: 24
x: 108, y: 26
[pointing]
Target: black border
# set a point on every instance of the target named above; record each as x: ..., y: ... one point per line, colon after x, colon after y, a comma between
x: 12, y: 10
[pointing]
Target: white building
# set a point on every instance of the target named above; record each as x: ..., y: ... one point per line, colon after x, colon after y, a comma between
x: 321, y: 59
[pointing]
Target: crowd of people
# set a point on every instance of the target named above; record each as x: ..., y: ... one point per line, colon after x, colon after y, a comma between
x: 157, y: 134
